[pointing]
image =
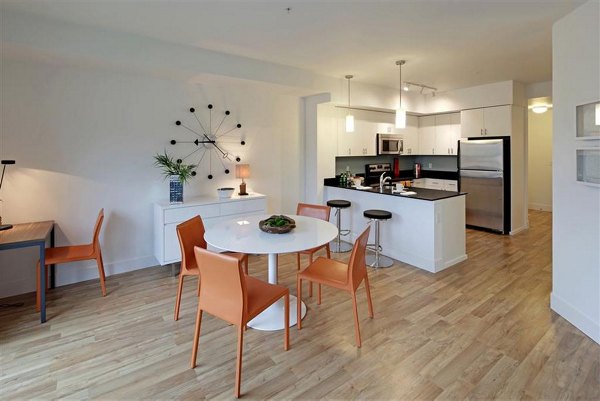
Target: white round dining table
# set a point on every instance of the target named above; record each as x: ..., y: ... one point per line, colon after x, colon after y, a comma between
x: 243, y: 235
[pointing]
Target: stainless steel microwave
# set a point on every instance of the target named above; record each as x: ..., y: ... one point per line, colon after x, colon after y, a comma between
x: 389, y: 144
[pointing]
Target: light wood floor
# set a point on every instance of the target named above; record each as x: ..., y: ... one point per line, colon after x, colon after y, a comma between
x: 482, y: 329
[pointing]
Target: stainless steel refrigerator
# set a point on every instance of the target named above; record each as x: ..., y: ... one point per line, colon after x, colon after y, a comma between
x: 484, y: 173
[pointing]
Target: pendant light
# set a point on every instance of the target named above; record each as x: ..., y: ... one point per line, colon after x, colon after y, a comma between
x: 349, y: 117
x: 400, y: 112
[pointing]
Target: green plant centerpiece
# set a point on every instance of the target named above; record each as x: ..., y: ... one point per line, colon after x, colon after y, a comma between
x: 277, y: 224
x: 177, y: 173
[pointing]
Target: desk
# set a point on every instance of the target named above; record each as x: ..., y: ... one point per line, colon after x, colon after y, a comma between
x: 243, y: 235
x: 31, y: 234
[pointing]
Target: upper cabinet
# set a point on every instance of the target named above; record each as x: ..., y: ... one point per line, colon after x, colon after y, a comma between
x: 439, y: 134
x: 361, y: 142
x: 410, y: 135
x: 486, y: 121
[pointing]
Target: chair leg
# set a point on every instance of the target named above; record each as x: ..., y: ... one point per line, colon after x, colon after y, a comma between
x: 356, y: 325
x: 196, y: 337
x: 298, y: 260
x: 47, y: 278
x: 369, y: 301
x: 38, y: 285
x: 310, y: 261
x: 238, y: 367
x: 318, y: 294
x: 178, y: 299
x: 328, y: 250
x: 286, y: 322
x: 100, y: 264
x: 299, y: 302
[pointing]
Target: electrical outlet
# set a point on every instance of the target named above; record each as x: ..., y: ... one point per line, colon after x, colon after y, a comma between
x: 430, y: 165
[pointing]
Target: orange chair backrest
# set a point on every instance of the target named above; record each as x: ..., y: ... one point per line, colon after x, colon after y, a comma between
x: 97, y: 227
x: 316, y: 211
x: 357, y: 267
x: 222, y: 286
x: 190, y: 234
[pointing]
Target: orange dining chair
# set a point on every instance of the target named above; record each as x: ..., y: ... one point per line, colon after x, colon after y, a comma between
x: 318, y: 212
x: 227, y: 293
x: 191, y: 234
x: 339, y: 275
x: 74, y: 253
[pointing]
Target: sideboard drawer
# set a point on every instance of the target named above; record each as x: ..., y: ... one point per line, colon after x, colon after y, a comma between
x: 184, y: 213
x: 251, y: 205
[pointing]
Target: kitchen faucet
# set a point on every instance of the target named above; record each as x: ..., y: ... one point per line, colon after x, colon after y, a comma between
x: 382, y: 181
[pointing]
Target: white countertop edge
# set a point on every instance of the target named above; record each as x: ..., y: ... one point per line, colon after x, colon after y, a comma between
x: 208, y: 200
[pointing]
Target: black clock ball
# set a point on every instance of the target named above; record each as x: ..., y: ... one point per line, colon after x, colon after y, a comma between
x: 239, y: 125
x: 237, y: 159
x: 227, y: 112
x: 243, y: 143
x: 210, y: 176
x: 178, y: 122
x: 193, y: 173
x: 179, y: 161
x: 192, y: 109
x: 226, y: 171
x: 173, y: 141
x: 210, y: 106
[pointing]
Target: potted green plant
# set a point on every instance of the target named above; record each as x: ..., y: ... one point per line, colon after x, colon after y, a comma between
x: 177, y: 173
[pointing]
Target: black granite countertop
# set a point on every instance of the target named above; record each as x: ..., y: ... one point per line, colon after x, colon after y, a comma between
x: 421, y: 193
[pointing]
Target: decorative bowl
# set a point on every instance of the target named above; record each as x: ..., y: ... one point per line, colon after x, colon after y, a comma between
x: 225, y: 193
x: 277, y: 224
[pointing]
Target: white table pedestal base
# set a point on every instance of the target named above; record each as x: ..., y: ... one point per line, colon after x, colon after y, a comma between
x: 271, y: 319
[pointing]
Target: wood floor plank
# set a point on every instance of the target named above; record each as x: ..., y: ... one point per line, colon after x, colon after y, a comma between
x: 481, y: 329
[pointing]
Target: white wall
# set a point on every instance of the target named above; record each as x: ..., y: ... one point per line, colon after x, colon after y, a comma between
x: 84, y: 138
x: 539, y: 131
x: 576, y: 207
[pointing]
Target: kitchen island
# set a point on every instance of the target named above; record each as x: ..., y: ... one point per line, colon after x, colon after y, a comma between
x: 427, y: 229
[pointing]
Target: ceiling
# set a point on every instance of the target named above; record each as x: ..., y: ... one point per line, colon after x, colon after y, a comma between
x: 447, y: 43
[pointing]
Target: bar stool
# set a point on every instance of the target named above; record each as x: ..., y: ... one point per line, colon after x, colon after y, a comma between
x: 377, y: 260
x: 337, y: 245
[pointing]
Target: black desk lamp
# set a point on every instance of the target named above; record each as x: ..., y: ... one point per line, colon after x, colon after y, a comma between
x: 4, y: 163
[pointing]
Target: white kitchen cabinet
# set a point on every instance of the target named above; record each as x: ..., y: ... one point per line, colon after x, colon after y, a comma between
x: 410, y: 135
x: 361, y: 142
x: 427, y: 135
x: 486, y: 121
x: 447, y: 133
x: 212, y: 210
x: 450, y: 185
x: 435, y: 183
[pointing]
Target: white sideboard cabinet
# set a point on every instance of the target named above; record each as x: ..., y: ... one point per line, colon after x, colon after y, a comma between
x: 212, y: 210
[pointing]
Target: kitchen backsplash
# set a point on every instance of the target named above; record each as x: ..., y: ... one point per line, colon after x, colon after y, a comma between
x: 357, y: 163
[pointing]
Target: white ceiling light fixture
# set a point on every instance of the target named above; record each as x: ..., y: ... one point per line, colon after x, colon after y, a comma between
x: 349, y: 117
x: 405, y: 87
x: 597, y: 113
x: 400, y: 112
x: 539, y: 109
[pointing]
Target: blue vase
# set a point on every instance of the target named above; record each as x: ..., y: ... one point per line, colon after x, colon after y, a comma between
x: 175, y: 189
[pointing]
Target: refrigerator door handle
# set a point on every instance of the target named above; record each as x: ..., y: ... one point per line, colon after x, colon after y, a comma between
x: 482, y: 173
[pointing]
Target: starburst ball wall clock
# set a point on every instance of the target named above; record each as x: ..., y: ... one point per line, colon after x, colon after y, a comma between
x: 214, y: 144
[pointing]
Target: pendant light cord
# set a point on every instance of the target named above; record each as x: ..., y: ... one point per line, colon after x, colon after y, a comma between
x: 400, y: 63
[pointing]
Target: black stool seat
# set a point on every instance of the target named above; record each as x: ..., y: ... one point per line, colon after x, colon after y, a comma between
x: 377, y: 214
x: 339, y: 203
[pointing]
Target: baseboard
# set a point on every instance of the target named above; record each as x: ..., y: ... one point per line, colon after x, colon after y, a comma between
x: 452, y: 262
x: 520, y: 229
x: 575, y: 317
x: 71, y: 273
x: 540, y: 206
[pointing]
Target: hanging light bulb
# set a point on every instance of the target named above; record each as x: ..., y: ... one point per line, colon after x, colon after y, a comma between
x: 405, y: 87
x: 400, y: 112
x: 349, y: 117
